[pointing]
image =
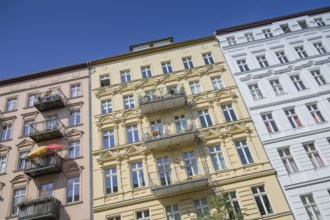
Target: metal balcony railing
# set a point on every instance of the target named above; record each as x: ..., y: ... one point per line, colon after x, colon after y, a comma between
x: 43, y: 165
x: 178, y: 179
x: 51, y: 99
x: 160, y: 99
x: 39, y: 209
x: 46, y: 130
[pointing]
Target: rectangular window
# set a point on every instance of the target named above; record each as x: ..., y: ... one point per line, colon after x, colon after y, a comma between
x: 318, y: 77
x: 320, y: 48
x: 282, y: 57
x: 267, y: 33
x: 3, y: 160
x: 313, y: 155
x: 242, y: 65
x: 137, y: 175
x: 181, y: 124
x: 231, y: 41
x: 262, y: 61
x: 195, y: 87
x: 298, y: 83
x: 157, y: 129
x: 28, y: 128
x: 190, y: 164
x: 106, y: 106
x: 114, y: 218
x: 288, y: 160
x: 74, y: 118
x: 249, y: 37
x: 128, y: 102
x: 111, y: 180
x: 293, y: 118
x: 235, y: 212
x: 285, y: 28
x: 208, y: 59
x: 173, y: 212
x: 22, y: 160
x: 187, y: 63
x: 73, y: 190
x: 108, y: 139
x: 277, y: 87
x: 164, y: 171
x: 229, y: 113
x: 316, y: 113
x: 75, y: 90
x: 311, y: 207
x: 6, y: 132
x: 31, y: 100
x: 146, y: 72
x: 143, y: 215
x: 255, y: 91
x: 217, y: 157
x: 74, y: 149
x: 303, y: 24
x: 269, y: 123
x: 201, y: 206
x: 301, y: 52
x: 167, y: 67
x: 105, y: 80
x: 217, y: 83
x: 125, y: 76
x: 319, y: 22
x: 46, y: 190
x: 132, y: 134
x: 205, y: 118
x: 18, y: 197
x: 262, y: 200
x: 244, y: 152
x: 11, y: 104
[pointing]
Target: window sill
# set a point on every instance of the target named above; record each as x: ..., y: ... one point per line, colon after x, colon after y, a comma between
x: 72, y: 203
x: 16, y: 171
x: 12, y: 216
x: 283, y: 93
x: 73, y: 126
x: 4, y: 173
x: 3, y: 141
x: 277, y: 132
x: 75, y: 97
x: 15, y: 110
x: 28, y: 107
x: 74, y: 158
x: 321, y: 123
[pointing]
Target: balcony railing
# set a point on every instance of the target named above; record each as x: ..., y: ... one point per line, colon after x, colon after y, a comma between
x: 160, y: 135
x: 43, y: 165
x: 159, y: 99
x: 50, y: 99
x: 45, y: 208
x: 46, y: 130
x: 180, y: 179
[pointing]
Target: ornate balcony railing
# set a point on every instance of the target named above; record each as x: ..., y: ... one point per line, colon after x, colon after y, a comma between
x: 51, y: 99
x: 43, y: 165
x: 39, y: 209
x: 46, y: 130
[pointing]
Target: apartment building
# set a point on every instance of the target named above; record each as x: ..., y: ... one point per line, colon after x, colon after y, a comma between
x: 170, y: 130
x: 44, y: 145
x: 281, y: 68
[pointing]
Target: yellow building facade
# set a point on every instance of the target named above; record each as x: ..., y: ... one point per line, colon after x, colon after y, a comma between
x: 170, y: 131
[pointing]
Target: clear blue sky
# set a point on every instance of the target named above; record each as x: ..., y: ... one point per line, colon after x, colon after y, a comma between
x: 39, y: 35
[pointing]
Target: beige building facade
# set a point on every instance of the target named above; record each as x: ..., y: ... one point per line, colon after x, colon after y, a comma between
x: 170, y: 131
x: 44, y: 146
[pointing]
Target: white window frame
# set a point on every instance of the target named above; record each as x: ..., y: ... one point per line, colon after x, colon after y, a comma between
x: 145, y: 215
x: 3, y: 163
x: 195, y: 87
x: 106, y: 106
x: 217, y: 158
x: 255, y: 91
x: 319, y: 22
x: 129, y: 102
x: 244, y: 148
x: 261, y: 196
x: 315, y: 113
x: 277, y: 87
x: 293, y: 117
x: 311, y: 206
x: 301, y: 52
x: 75, y: 90
x: 288, y: 160
x: 208, y: 59
x: 249, y: 37
x: 269, y: 122
x: 313, y: 155
x: 172, y: 211
x: 125, y: 76
x: 74, y: 146
x: 319, y: 78
x: 242, y: 65
x: 262, y: 61
x: 217, y: 83
x: 167, y: 67
x: 282, y: 57
x: 298, y: 83
x: 74, y: 185
x: 231, y: 40
x: 136, y: 168
x: 105, y: 80
x: 201, y: 206
x: 146, y: 72
x: 267, y: 33
x: 111, y: 174
x: 75, y: 118
x: 187, y: 62
x: 11, y: 104
x: 6, y: 132
x: 320, y: 47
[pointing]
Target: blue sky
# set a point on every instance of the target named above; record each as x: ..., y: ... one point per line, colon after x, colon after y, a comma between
x: 39, y: 35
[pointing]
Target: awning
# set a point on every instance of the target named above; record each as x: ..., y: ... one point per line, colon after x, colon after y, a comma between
x: 38, y: 152
x: 55, y: 146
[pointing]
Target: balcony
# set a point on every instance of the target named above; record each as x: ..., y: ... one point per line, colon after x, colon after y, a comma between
x: 45, y: 208
x: 46, y: 130
x: 43, y: 165
x: 160, y: 99
x: 50, y: 99
x: 180, y: 179
x: 160, y: 135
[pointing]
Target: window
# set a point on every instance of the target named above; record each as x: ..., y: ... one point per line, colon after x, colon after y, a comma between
x: 137, y: 175
x: 316, y: 113
x: 242, y: 65
x: 6, y: 132
x: 108, y: 139
x: 293, y: 118
x: 231, y: 41
x: 262, y: 200
x: 75, y: 90
x: 74, y: 149
x: 311, y: 207
x: 31, y: 100
x: 187, y: 63
x: 301, y: 52
x: 320, y: 48
x: 288, y: 160
x: 11, y: 104
x: 249, y: 37
x: 142, y: 215
x: 18, y: 197
x: 269, y: 122
x: 74, y: 118
x: 282, y: 57
x: 229, y: 113
x: 164, y: 171
x: 205, y: 118
x: 201, y: 206
x: 195, y: 87
x: 318, y: 77
x: 157, y: 129
x: 217, y: 157
x: 173, y: 212
x: 267, y: 33
x: 217, y: 82
x: 235, y: 213
x: 319, y: 22
x: 73, y: 190
x: 106, y: 106
x: 128, y: 102
x: 125, y: 76
x: 208, y: 59
x: 180, y: 124
x: 303, y: 24
x: 244, y: 152
x: 262, y: 61
x: 298, y: 83
x: 190, y: 164
x: 28, y: 128
x: 277, y: 87
x: 3, y: 160
x: 132, y: 133
x: 105, y: 80
x: 255, y: 91
x: 146, y: 71
x: 285, y: 28
x: 111, y: 181
x: 167, y: 68
x: 22, y: 160
x: 114, y: 218
x: 46, y: 190
x: 313, y: 155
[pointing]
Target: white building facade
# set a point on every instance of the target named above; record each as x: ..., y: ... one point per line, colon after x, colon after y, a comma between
x: 282, y: 69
